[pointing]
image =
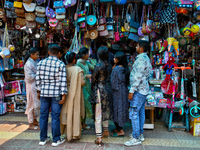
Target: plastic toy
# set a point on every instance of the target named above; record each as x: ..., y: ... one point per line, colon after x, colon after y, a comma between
x: 12, y: 88
x: 164, y: 45
x: 175, y: 45
x: 195, y: 29
x: 186, y: 31
x: 170, y: 41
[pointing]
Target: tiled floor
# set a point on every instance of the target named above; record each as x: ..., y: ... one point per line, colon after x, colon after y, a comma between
x: 14, y: 135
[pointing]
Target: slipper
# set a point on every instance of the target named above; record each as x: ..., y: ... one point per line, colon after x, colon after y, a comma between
x: 36, y: 124
x: 116, y: 135
x: 34, y: 128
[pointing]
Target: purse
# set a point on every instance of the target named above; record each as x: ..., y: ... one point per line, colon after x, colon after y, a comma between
x: 11, y: 14
x: 27, y: 1
x: 50, y: 12
x: 120, y: 2
x: 149, y: 24
x: 117, y: 33
x: 87, y: 35
x: 140, y: 33
x: 60, y: 11
x: 1, y: 13
x: 110, y: 35
x: 17, y: 4
x: 21, y: 21
x: 91, y: 19
x: 93, y: 34
x: 9, y: 5
x: 103, y: 33
x: 40, y: 15
x: 109, y: 14
x: 58, y: 4
x: 21, y: 15
x: 102, y: 19
x: 144, y: 24
x: 147, y: 2
x: 30, y: 24
x: 60, y: 17
x: 40, y: 9
x: 40, y: 2
x: 126, y: 27
x: 133, y: 23
x: 40, y: 20
x: 19, y: 11
x: 53, y: 22
x: 133, y: 37
x: 69, y: 3
x: 29, y: 7
x: 101, y: 27
x: 128, y: 16
x: 109, y: 27
x: 30, y: 16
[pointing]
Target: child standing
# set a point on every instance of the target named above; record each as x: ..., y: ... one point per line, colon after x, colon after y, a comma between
x: 33, y: 104
x: 120, y: 82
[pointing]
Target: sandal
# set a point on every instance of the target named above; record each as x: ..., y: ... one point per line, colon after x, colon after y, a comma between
x: 114, y: 130
x: 34, y: 128
x: 98, y: 141
x: 105, y: 134
x: 116, y: 135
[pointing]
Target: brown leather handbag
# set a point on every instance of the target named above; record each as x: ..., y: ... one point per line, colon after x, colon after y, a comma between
x: 19, y: 10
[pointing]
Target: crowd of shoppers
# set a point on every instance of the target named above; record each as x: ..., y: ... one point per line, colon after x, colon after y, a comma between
x: 73, y: 94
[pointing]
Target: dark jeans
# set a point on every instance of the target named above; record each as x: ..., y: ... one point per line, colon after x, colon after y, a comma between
x: 137, y: 114
x: 46, y: 104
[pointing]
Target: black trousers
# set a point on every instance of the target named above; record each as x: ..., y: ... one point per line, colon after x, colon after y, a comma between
x: 117, y: 126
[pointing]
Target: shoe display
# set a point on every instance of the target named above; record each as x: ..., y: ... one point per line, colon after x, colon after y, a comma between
x: 133, y: 142
x: 42, y: 143
x: 62, y: 140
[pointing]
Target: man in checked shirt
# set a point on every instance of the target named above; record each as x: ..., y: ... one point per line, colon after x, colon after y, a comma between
x: 51, y: 86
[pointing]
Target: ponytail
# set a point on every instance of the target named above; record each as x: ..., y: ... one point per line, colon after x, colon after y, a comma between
x: 32, y: 50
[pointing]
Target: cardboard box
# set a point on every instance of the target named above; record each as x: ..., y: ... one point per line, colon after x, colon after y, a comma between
x: 195, y: 126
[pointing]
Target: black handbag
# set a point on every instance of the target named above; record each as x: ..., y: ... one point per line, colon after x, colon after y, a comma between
x: 133, y: 23
x: 109, y: 14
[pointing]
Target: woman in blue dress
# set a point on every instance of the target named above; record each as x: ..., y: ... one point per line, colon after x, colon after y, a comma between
x: 120, y: 82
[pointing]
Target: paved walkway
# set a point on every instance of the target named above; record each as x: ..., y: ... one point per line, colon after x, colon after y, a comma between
x: 14, y: 135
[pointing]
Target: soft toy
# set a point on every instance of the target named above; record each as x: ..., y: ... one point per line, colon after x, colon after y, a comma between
x: 169, y: 65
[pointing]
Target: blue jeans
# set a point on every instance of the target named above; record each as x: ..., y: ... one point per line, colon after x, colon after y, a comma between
x: 137, y: 114
x: 46, y: 104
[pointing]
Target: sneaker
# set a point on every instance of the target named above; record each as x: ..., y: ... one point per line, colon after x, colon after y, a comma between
x: 62, y: 140
x: 42, y: 143
x: 142, y: 138
x: 133, y: 142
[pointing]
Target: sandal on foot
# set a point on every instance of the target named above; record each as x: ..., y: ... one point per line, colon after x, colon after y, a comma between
x: 114, y: 130
x: 116, y: 135
x: 34, y: 128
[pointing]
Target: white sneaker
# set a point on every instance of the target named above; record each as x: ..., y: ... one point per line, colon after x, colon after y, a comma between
x: 42, y: 143
x: 141, y: 137
x: 133, y: 142
x: 62, y: 140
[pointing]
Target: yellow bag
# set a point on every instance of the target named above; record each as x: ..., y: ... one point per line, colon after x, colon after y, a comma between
x: 17, y: 4
x: 123, y: 29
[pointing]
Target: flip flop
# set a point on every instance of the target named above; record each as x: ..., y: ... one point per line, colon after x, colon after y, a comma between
x: 116, y: 135
x: 34, y: 128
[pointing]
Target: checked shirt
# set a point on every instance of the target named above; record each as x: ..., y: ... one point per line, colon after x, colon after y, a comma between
x: 51, y: 78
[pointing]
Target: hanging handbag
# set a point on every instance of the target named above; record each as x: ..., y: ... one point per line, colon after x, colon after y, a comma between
x: 21, y: 15
x: 110, y: 35
x: 101, y: 27
x: 74, y: 46
x: 17, y: 4
x: 53, y: 22
x: 93, y: 34
x: 120, y: 2
x: 40, y: 20
x: 21, y: 21
x: 117, y: 33
x: 107, y: 1
x: 140, y: 33
x: 27, y: 1
x: 60, y: 17
x: 91, y: 19
x: 69, y: 3
x: 126, y: 27
x: 60, y: 11
x: 128, y: 16
x: 40, y: 2
x: 19, y: 11
x: 109, y: 27
x: 133, y: 37
x: 30, y: 16
x: 149, y: 24
x: 1, y: 13
x: 103, y: 33
x: 58, y: 4
x: 9, y: 5
x: 102, y: 19
x: 109, y: 14
x: 144, y: 24
x: 40, y: 15
x: 31, y: 24
x: 11, y: 14
x: 50, y: 12
x: 148, y: 2
x: 40, y: 9
x: 133, y: 23
x: 29, y: 7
